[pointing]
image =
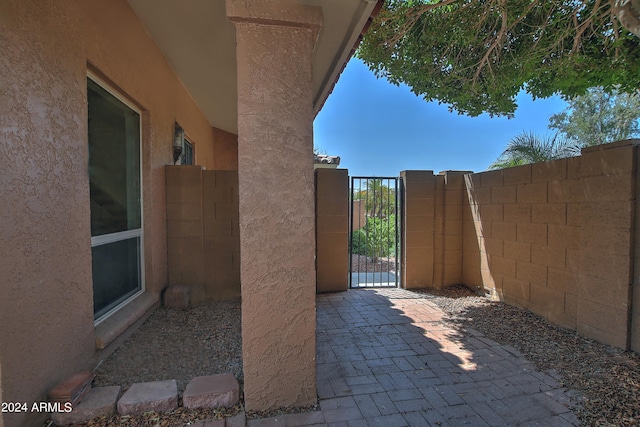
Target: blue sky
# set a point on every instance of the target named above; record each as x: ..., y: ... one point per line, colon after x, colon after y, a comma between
x: 379, y: 129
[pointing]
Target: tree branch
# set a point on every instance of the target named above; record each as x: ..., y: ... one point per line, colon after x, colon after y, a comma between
x: 628, y: 13
x: 413, y: 17
x: 496, y: 42
x: 581, y: 28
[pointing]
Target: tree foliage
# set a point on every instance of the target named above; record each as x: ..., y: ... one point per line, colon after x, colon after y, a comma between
x: 598, y: 117
x: 527, y: 147
x: 477, y: 55
x: 377, y: 239
x: 379, y: 198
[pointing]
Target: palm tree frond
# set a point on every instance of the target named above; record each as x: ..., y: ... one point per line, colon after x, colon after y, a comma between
x: 527, y: 147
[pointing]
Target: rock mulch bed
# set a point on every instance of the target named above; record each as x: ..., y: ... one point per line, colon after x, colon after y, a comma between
x: 175, y: 344
x: 362, y: 264
x: 179, y: 344
x: 608, y: 378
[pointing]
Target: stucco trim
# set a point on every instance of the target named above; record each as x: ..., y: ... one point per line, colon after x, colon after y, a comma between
x: 274, y: 13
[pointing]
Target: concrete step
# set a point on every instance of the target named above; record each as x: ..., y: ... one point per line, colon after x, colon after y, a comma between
x: 212, y: 391
x: 158, y: 396
x: 99, y: 402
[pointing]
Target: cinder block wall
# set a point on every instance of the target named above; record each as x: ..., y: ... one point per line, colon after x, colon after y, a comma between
x: 203, y: 242
x: 517, y: 238
x: 607, y: 217
x: 432, y: 224
x: 452, y: 211
x: 556, y: 238
x: 184, y: 225
x: 332, y: 229
x: 221, y: 234
x: 420, y: 189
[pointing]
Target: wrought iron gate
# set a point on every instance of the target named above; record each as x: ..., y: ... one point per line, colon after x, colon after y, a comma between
x: 374, y: 232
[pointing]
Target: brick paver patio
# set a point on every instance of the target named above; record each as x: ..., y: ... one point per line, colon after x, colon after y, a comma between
x: 385, y: 359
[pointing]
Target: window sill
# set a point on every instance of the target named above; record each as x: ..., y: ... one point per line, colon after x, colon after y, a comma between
x: 117, y: 324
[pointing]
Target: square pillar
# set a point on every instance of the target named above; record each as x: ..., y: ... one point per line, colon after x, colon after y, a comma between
x: 332, y: 229
x: 418, y: 227
x: 275, y: 41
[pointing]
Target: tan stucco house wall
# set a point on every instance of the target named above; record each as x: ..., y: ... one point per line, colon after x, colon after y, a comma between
x: 152, y: 56
x: 45, y: 257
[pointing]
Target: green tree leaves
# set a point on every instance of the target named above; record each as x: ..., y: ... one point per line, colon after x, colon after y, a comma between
x: 594, y: 118
x: 598, y: 117
x: 476, y: 55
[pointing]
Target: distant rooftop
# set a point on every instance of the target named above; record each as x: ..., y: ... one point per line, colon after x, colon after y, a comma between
x: 326, y: 160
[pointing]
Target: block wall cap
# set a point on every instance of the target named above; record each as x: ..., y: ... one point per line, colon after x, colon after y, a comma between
x: 617, y: 144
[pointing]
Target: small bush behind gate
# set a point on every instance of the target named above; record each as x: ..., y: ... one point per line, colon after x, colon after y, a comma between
x: 377, y: 239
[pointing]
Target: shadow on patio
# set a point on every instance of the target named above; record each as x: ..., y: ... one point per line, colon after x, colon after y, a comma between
x: 385, y: 358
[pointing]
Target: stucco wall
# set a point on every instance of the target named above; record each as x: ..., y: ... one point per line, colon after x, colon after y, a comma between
x: 359, y: 215
x: 45, y: 258
x: 276, y: 200
x: 225, y: 151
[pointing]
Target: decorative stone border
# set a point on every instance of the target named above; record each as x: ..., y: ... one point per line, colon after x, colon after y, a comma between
x: 213, y: 391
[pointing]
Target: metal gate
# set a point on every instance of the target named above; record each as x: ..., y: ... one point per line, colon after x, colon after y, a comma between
x: 374, y: 232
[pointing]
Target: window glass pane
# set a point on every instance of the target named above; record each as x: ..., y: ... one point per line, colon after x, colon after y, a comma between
x: 188, y: 153
x: 114, y: 163
x: 116, y: 273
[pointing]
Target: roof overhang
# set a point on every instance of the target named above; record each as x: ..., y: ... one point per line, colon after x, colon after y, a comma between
x: 199, y: 43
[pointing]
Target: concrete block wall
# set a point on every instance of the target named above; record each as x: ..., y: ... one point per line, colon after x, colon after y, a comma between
x: 203, y: 242
x: 432, y: 223
x: 418, y: 224
x: 516, y: 239
x: 332, y: 229
x: 605, y: 259
x: 452, y: 217
x: 184, y: 225
x: 438, y: 230
x: 557, y: 238
x: 221, y: 234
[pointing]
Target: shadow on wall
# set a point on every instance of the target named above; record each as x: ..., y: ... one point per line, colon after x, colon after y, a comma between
x: 556, y: 238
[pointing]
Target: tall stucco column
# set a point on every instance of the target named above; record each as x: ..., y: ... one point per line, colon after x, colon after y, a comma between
x: 275, y: 41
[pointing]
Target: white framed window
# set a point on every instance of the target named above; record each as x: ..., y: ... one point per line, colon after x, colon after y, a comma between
x: 115, y: 181
x: 188, y: 154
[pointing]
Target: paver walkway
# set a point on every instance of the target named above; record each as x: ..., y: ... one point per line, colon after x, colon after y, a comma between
x: 385, y: 359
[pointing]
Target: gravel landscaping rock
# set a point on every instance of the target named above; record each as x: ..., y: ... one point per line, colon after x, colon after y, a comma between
x: 362, y: 264
x: 176, y: 344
